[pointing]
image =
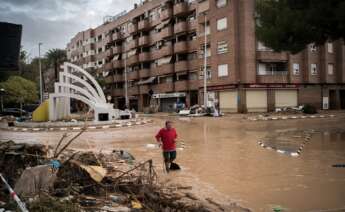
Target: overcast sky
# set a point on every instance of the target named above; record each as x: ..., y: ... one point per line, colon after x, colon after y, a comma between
x: 54, y: 22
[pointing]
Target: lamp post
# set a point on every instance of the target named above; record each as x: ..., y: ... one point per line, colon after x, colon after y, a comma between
x: 126, y: 83
x: 205, y: 63
x: 40, y: 70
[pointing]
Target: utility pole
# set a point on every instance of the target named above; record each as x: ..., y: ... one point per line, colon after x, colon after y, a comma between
x: 126, y: 84
x: 40, y: 70
x: 205, y: 64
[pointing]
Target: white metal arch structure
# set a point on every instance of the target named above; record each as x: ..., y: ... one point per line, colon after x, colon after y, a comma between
x: 76, y: 83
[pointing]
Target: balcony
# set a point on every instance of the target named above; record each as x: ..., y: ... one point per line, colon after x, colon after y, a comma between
x: 143, y: 73
x: 181, y: 66
x: 163, y: 87
x: 275, y: 77
x: 193, y: 84
x: 144, y: 89
x: 164, y: 51
x: 144, y: 24
x: 118, y: 78
x: 193, y: 25
x: 117, y: 50
x: 144, y: 56
x: 180, y: 47
x: 133, y: 90
x: 117, y: 36
x: 133, y: 28
x: 180, y: 27
x: 108, y: 38
x: 133, y: 75
x: 181, y: 8
x: 271, y: 56
x: 117, y: 92
x: 117, y: 63
x: 144, y: 41
x: 108, y: 66
x: 194, y: 64
x: 109, y: 52
x: 132, y: 44
x: 181, y: 85
x: 132, y: 60
x: 166, y: 14
x: 193, y: 45
x: 163, y: 69
x: 166, y: 32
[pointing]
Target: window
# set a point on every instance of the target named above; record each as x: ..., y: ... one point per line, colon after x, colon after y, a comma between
x: 330, y: 47
x: 193, y: 75
x: 272, y: 69
x: 313, y: 47
x: 208, y: 51
x: 208, y: 71
x: 223, y: 70
x: 221, y: 3
x: 221, y: 24
x: 330, y: 69
x: 222, y: 47
x: 313, y: 69
x: 295, y: 69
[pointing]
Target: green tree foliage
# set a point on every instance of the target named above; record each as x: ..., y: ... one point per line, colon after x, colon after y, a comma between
x: 290, y: 25
x: 55, y: 57
x: 19, y: 90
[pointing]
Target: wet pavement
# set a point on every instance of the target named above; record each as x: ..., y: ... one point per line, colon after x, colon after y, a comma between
x: 221, y: 158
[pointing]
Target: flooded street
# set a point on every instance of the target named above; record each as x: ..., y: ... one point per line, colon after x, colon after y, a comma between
x: 221, y: 158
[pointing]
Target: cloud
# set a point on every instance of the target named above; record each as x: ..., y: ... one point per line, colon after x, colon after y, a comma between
x: 55, y: 22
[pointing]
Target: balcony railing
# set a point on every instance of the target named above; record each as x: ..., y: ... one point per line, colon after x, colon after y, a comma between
x: 144, y: 56
x: 180, y: 27
x: 143, y: 24
x: 181, y: 8
x: 144, y: 41
x: 180, y: 47
x: 144, y: 73
x: 166, y: 14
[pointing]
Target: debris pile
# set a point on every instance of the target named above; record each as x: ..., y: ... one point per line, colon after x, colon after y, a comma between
x: 88, y: 181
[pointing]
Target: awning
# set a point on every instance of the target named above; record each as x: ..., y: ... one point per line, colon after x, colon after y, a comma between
x: 116, y: 57
x: 105, y: 73
x: 164, y: 60
x: 147, y: 81
x: 163, y: 24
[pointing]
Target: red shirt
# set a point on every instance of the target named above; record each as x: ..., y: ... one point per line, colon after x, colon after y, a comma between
x: 168, y: 139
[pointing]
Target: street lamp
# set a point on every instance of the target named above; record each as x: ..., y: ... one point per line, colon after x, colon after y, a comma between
x: 205, y: 62
x: 126, y: 83
x: 40, y: 70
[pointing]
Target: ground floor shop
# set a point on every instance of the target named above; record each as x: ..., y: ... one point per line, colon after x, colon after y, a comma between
x: 245, y: 98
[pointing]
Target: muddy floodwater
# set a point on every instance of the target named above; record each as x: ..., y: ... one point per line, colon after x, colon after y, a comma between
x: 221, y: 158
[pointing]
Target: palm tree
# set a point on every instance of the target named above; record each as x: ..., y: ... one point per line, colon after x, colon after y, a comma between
x: 55, y: 58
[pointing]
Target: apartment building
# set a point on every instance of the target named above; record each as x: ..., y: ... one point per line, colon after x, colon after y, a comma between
x: 157, y: 51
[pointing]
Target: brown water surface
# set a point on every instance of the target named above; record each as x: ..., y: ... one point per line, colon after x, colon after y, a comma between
x: 222, y: 159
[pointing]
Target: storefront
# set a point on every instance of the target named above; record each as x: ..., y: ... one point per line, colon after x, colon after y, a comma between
x: 256, y: 100
x: 168, y: 101
x: 285, y: 98
x: 228, y: 101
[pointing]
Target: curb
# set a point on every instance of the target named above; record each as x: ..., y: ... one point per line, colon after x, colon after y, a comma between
x: 293, y: 154
x: 115, y: 125
x: 290, y: 117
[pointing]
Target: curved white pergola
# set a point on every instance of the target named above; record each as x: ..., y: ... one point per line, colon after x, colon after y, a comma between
x: 76, y: 83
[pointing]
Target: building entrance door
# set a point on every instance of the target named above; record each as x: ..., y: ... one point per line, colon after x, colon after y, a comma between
x: 332, y: 100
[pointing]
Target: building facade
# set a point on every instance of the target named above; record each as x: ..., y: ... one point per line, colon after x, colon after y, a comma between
x: 157, y: 51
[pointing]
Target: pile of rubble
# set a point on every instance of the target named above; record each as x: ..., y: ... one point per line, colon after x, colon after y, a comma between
x: 88, y: 181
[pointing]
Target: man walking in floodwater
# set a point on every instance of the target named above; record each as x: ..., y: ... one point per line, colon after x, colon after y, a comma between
x: 166, y: 137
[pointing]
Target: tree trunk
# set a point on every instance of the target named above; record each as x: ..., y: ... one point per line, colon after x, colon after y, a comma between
x: 56, y: 71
